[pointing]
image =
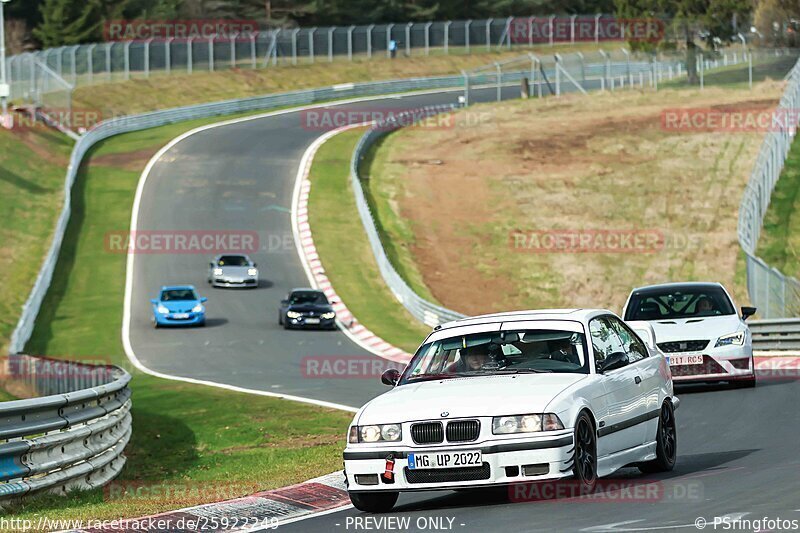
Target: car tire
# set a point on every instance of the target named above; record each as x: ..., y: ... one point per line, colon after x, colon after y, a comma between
x: 155, y: 324
x: 280, y: 319
x: 666, y: 443
x: 376, y: 502
x: 584, y: 462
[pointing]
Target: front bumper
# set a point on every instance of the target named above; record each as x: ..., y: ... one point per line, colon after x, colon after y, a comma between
x: 324, y: 323
x: 234, y: 283
x: 193, y: 319
x: 726, y: 363
x: 546, y: 458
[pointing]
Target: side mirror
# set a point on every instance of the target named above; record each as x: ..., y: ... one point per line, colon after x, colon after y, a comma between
x: 284, y: 302
x: 614, y: 361
x: 748, y: 312
x: 211, y: 265
x: 333, y: 302
x: 390, y: 377
x: 255, y: 264
x: 153, y: 301
x: 203, y: 299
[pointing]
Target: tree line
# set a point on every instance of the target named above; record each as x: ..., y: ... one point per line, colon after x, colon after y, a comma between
x: 48, y: 23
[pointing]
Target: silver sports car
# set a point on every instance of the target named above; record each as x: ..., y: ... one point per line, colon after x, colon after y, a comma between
x: 232, y: 270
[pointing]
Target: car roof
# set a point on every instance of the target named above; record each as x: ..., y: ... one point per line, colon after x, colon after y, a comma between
x: 578, y: 315
x: 216, y: 257
x: 177, y: 287
x: 685, y: 285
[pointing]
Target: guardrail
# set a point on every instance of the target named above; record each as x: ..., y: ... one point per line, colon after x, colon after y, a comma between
x: 775, y: 294
x: 73, y: 436
x: 778, y: 334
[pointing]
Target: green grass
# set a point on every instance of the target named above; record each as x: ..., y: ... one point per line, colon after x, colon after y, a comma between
x: 5, y: 396
x: 779, y: 244
x: 344, y: 249
x: 737, y: 76
x: 32, y: 165
x: 180, y: 433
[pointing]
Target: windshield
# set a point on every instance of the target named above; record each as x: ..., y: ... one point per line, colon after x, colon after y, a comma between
x: 308, y: 297
x: 178, y: 295
x: 233, y: 261
x: 507, y: 352
x: 679, y: 303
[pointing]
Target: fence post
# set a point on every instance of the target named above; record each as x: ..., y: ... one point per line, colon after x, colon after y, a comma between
x: 330, y: 44
x: 466, y: 35
x: 489, y: 34
x: 750, y: 70
x: 583, y: 67
x: 74, y: 67
x: 108, y: 60
x: 428, y: 37
x: 253, y: 60
x: 552, y: 29
x: 127, y: 54
x: 627, y: 61
x: 211, y: 54
x: 350, y: 43
x: 558, y: 75
x: 311, y: 33
x: 466, y: 87
x: 572, y: 29
x: 294, y: 45
x: 369, y: 40
x: 534, y: 63
x: 608, y: 67
x: 234, y: 36
x: 597, y: 28
x: 530, y: 30
x: 702, y: 70
x: 499, y: 80
x: 147, y: 57
x: 509, y: 20
x: 408, y: 38
x: 189, y: 52
x: 168, y: 54
x: 447, y: 37
x: 90, y: 62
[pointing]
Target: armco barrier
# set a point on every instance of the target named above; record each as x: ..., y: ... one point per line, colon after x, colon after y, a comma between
x: 72, y: 436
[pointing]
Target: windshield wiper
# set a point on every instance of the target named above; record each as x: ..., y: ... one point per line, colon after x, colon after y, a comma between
x: 522, y: 371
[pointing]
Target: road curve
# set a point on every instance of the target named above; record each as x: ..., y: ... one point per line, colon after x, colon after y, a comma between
x: 240, y: 177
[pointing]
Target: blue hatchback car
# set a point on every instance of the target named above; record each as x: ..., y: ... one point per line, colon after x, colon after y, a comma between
x: 179, y: 305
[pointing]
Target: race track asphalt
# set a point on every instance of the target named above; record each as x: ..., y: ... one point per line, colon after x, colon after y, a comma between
x: 240, y: 178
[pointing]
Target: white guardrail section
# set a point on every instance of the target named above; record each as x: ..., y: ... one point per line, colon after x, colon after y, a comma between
x: 72, y: 435
x: 775, y: 295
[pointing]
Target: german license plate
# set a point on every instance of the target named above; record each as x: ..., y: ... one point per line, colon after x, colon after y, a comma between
x: 419, y: 461
x: 312, y: 320
x: 180, y: 315
x: 675, y: 360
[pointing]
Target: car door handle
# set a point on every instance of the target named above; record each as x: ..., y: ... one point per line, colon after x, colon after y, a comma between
x: 637, y: 379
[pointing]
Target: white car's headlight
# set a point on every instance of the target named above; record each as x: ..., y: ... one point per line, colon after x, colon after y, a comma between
x: 504, y: 425
x: 328, y: 316
x: 252, y: 272
x: 217, y: 271
x: 375, y: 433
x: 293, y: 314
x: 734, y: 339
x: 163, y: 310
x: 197, y: 308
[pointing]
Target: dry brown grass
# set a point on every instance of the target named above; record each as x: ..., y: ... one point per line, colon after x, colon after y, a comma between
x: 577, y: 163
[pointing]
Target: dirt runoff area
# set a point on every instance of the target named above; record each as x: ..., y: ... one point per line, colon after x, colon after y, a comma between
x: 572, y: 202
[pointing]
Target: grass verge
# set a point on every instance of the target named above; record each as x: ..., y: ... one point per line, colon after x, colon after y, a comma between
x: 779, y: 244
x: 32, y: 163
x: 344, y: 249
x: 181, y: 437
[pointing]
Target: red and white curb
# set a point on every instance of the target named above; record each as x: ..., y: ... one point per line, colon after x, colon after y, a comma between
x: 312, y: 264
x: 262, y: 510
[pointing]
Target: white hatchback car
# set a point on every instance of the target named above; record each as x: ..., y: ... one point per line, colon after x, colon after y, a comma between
x: 515, y: 397
x: 696, y: 325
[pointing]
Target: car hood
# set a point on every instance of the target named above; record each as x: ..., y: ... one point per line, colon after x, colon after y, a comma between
x: 685, y: 329
x: 182, y: 306
x: 467, y: 397
x: 235, y: 271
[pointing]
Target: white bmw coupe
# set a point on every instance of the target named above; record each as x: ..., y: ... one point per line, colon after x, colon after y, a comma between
x: 515, y: 397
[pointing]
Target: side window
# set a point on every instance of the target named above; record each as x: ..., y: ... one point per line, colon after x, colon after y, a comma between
x: 634, y: 347
x: 604, y: 340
